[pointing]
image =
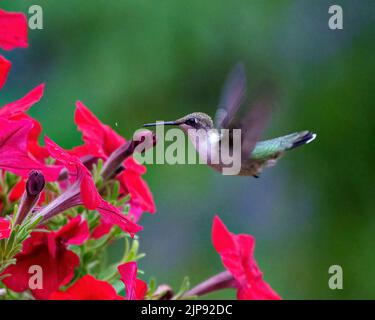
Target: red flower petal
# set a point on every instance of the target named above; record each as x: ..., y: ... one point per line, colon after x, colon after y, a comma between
x: 140, y: 289
x: 132, y: 165
x: 78, y: 172
x: 100, y: 138
x: 16, y: 111
x: 76, y: 231
x: 105, y: 226
x: 14, y: 156
x: 135, y: 211
x: 102, y: 229
x: 49, y: 251
x: 22, y: 105
x: 13, y: 30
x: 34, y: 148
x: 237, y: 254
x: 4, y: 228
x: 112, y: 215
x: 58, y: 269
x: 136, y: 289
x: 138, y: 190
x: 222, y: 239
x: 5, y: 66
x: 17, y: 191
x: 89, y: 194
x: 87, y: 288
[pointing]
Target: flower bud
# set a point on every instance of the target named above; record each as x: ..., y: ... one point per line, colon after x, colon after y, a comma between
x: 35, y: 183
x: 163, y: 292
x: 34, y: 186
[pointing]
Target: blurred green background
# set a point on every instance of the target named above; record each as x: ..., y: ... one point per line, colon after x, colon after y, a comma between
x: 133, y: 62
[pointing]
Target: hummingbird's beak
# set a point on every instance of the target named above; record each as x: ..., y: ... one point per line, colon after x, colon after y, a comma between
x: 161, y: 123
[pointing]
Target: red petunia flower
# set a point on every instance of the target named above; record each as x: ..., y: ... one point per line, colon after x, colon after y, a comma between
x: 17, y: 191
x: 5, y: 66
x: 14, y: 156
x: 99, y: 138
x: 16, y: 110
x: 83, y: 191
x: 4, y: 228
x: 135, y: 289
x: 237, y: 255
x: 132, y: 182
x: 100, y: 141
x: 77, y: 172
x: 49, y: 250
x: 87, y: 288
x: 13, y: 34
x: 101, y: 229
x: 13, y: 30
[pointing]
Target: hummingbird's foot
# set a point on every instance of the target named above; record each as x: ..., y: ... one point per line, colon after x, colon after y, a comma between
x: 255, y: 176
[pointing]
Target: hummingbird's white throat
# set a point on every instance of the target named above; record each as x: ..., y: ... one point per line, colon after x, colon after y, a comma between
x: 206, y: 142
x: 217, y: 149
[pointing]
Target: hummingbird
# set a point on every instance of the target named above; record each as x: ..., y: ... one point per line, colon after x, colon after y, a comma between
x: 254, y: 155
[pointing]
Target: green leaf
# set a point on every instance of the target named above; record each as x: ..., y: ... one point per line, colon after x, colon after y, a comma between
x: 184, y: 288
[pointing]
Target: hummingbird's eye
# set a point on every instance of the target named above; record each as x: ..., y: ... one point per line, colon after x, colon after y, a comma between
x: 191, y: 122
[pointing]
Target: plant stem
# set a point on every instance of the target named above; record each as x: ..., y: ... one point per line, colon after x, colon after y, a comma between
x: 220, y: 281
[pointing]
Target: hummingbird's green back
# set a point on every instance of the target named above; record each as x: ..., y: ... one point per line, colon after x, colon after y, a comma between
x: 267, y: 149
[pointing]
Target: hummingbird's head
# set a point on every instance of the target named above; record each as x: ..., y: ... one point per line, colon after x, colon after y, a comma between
x: 195, y: 120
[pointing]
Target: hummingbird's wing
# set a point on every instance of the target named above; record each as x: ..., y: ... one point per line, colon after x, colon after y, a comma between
x: 254, y: 122
x: 252, y: 127
x: 232, y: 95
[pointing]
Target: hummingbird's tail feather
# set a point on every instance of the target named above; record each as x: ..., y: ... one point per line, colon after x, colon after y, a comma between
x: 302, y: 138
x: 274, y: 148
